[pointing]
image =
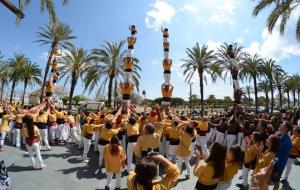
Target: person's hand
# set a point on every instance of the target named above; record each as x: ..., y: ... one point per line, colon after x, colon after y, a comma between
x: 261, y: 179
x: 158, y: 157
x: 261, y: 147
x: 198, y: 155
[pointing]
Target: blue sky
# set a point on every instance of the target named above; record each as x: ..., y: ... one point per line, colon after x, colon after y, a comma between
x: 189, y: 21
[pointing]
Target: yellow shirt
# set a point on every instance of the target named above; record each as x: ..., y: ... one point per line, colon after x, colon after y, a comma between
x: 52, y: 118
x: 231, y: 169
x: 49, y: 87
x: 149, y: 141
x: 54, y: 65
x: 60, y: 115
x: 132, y: 129
x: 113, y: 163
x: 264, y: 161
x: 42, y: 118
x: 128, y: 62
x: 167, y: 93
x: 295, y: 151
x: 107, y: 134
x: 126, y: 90
x: 184, y: 149
x: 167, y: 63
x: 250, y: 154
x: 4, y: 125
x: 167, y: 182
x: 36, y: 132
x: 203, y: 126
x: 19, y: 118
x: 166, y: 45
x: 173, y: 132
x: 71, y: 119
x: 205, y: 173
x: 88, y: 129
x: 131, y: 41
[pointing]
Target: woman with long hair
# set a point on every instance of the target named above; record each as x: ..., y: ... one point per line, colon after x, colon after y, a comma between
x: 209, y: 171
x: 144, y: 175
x: 4, y: 128
x: 114, y: 160
x: 32, y: 138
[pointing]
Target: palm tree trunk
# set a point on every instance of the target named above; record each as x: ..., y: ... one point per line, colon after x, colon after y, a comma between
x: 272, y: 96
x: 12, y: 91
x: 115, y: 95
x: 249, y: 99
x: 294, y: 97
x: 2, y: 90
x: 255, y: 94
x: 73, y: 84
x: 280, y: 97
x: 46, y: 72
x: 24, y: 91
x: 298, y: 97
x: 110, y: 86
x: 267, y: 102
x: 288, y: 98
x: 201, y: 93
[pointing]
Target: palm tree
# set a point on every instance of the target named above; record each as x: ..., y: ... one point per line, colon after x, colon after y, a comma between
x: 281, y: 13
x: 264, y: 87
x: 269, y: 68
x: 288, y: 86
x: 4, y: 75
x: 15, y: 66
x: 44, y: 5
x: 109, y: 68
x: 294, y: 80
x: 279, y: 79
x: 31, y: 74
x: 57, y: 36
x: 211, y: 100
x: 75, y: 62
x: 200, y: 59
x: 297, y: 78
x: 248, y: 90
x: 249, y: 70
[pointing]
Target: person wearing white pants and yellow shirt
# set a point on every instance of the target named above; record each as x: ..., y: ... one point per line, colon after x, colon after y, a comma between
x: 132, y: 132
x: 54, y: 132
x: 184, y: 149
x: 18, y: 128
x: 60, y: 122
x: 4, y: 129
x: 173, y: 134
x: 41, y: 123
x: 202, y: 131
x: 32, y: 138
x: 232, y: 129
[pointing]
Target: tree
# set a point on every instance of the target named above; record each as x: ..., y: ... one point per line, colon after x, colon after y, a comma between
x: 201, y: 60
x: 57, y: 36
x: 109, y: 68
x: 250, y: 70
x: 269, y: 68
x: 75, y: 62
x: 279, y: 79
x: 4, y: 73
x: 294, y: 86
x: 248, y: 90
x: 288, y: 87
x: 30, y: 75
x: 44, y: 5
x: 211, y: 100
x: 15, y: 66
x: 78, y: 98
x: 227, y: 102
x: 281, y: 13
x: 65, y: 99
x: 264, y: 87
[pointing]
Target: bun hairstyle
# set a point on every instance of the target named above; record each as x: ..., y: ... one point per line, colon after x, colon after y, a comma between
x: 132, y: 120
x: 238, y: 155
x: 146, y: 170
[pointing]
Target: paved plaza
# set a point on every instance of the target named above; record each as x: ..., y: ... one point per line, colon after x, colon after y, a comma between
x: 65, y: 171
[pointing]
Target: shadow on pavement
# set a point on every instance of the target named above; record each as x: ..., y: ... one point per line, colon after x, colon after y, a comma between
x: 15, y: 168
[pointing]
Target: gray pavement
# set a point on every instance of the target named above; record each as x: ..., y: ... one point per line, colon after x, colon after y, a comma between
x: 65, y: 171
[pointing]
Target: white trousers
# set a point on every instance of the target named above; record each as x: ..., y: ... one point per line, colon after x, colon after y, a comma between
x: 165, y: 39
x: 230, y: 140
x: 123, y: 141
x: 162, y: 147
x: 201, y: 141
x: 288, y: 168
x: 171, y: 153
x: 35, y: 150
x: 245, y: 174
x: 54, y: 132
x: 243, y: 147
x: 167, y: 77
x: 10, y: 133
x: 100, y: 149
x: 2, y: 137
x: 212, y: 134
x: 220, y: 137
x: 17, y: 137
x: 64, y: 132
x: 109, y: 177
x: 240, y: 138
x: 166, y: 54
x: 73, y: 135
x: 86, y: 147
x: 129, y: 52
x: 127, y: 76
x: 97, y: 136
x: 44, y: 134
x: 187, y: 164
x: 223, y: 185
x: 130, y: 149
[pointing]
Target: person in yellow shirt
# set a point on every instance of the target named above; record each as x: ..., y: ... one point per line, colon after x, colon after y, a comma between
x: 184, y: 149
x: 133, y: 30
x: 41, y: 122
x: 71, y: 123
x: 54, y: 132
x: 234, y: 160
x: 210, y: 171
x: 128, y: 65
x: 144, y: 175
x: 166, y: 46
x: 4, y: 128
x: 167, y: 91
x: 173, y: 132
x: 264, y: 158
x: 294, y: 153
x: 126, y: 89
x: 114, y: 161
x: 165, y: 32
x: 167, y: 64
x: 49, y: 89
x: 32, y: 138
x: 131, y: 129
x: 165, y: 140
x: 18, y: 127
x: 202, y: 133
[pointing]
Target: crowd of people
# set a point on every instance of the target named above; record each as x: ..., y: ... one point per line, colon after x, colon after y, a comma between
x: 138, y: 143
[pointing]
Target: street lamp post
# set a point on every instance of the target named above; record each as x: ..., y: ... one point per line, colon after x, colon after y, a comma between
x: 191, y: 97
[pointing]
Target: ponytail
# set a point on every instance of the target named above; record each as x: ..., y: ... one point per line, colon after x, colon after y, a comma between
x: 114, y: 145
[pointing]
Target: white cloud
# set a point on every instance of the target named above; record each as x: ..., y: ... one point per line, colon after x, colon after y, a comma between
x: 212, y: 45
x: 161, y: 13
x: 189, y: 8
x: 224, y: 13
x: 239, y: 40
